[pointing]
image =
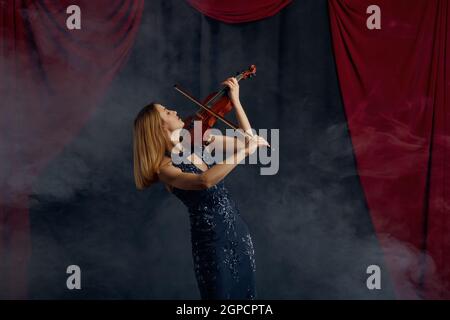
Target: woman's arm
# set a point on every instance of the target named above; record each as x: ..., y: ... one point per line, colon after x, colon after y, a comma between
x: 227, y: 143
x: 241, y: 116
x: 224, y: 143
x: 173, y: 176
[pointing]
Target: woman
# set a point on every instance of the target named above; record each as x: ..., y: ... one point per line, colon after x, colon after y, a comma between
x: 222, y: 248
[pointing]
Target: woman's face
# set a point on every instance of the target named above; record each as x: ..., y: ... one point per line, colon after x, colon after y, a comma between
x: 170, y: 119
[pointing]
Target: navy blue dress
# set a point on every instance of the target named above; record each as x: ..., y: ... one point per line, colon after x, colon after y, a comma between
x: 222, y: 249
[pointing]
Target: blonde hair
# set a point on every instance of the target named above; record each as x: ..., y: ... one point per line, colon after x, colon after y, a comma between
x: 150, y: 144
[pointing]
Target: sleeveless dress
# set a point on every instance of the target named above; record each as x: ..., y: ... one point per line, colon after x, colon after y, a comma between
x: 222, y: 248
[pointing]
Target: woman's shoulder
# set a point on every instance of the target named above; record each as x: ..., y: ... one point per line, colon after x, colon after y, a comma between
x: 166, y: 163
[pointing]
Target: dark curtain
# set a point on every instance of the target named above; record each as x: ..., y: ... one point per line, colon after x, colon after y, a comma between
x: 51, y: 80
x: 395, y: 88
x: 311, y: 230
x: 237, y: 11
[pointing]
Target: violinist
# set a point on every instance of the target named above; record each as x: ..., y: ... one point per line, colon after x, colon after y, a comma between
x: 222, y: 248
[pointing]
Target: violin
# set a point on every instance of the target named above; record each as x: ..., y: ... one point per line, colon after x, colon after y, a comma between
x: 215, y: 106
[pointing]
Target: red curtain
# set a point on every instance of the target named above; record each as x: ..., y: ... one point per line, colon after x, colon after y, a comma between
x: 395, y: 85
x: 51, y: 80
x: 237, y: 11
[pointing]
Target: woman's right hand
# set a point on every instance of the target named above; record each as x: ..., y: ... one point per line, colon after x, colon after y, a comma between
x: 254, y: 142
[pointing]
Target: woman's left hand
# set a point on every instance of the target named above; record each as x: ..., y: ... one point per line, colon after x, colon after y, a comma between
x: 233, y: 92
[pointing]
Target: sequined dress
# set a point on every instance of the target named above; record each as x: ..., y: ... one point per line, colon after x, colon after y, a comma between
x: 222, y: 248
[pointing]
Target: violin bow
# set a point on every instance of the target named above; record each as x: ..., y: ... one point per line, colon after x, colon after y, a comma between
x: 218, y: 116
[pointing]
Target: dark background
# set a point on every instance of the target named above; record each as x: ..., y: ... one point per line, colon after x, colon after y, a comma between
x: 311, y: 228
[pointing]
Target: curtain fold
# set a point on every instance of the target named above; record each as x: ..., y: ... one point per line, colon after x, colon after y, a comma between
x: 395, y: 85
x: 235, y: 11
x: 51, y: 80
